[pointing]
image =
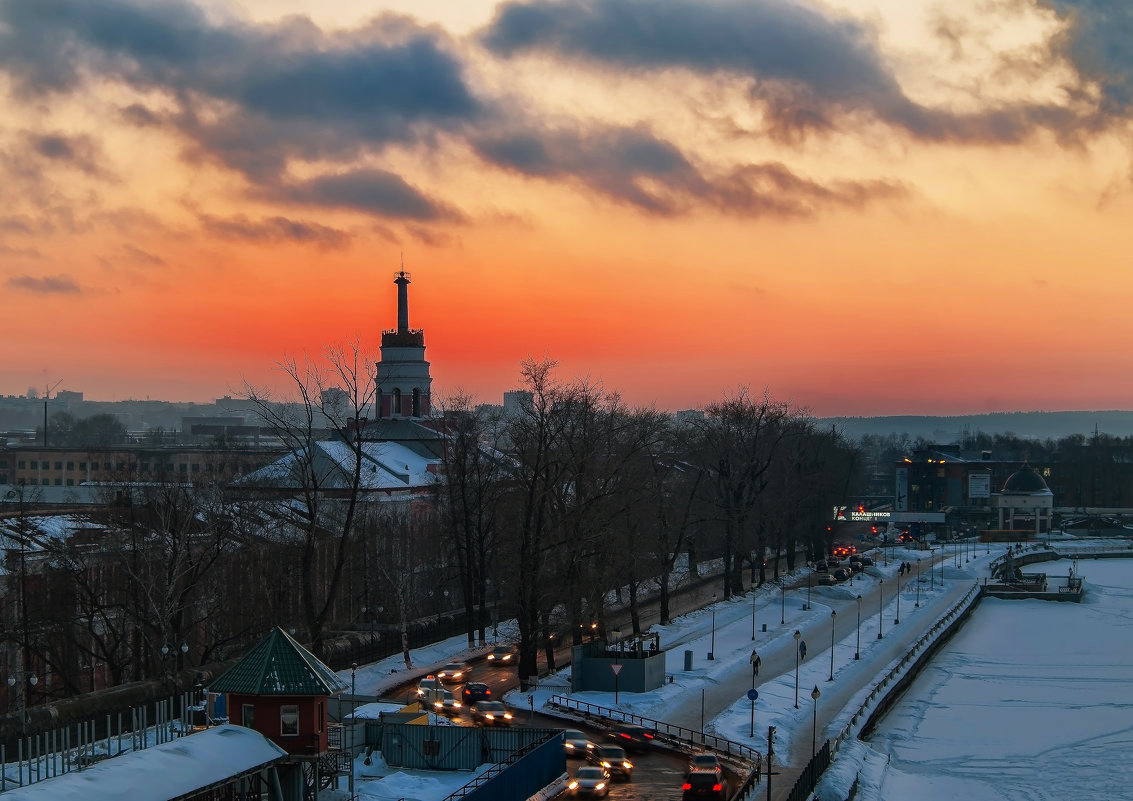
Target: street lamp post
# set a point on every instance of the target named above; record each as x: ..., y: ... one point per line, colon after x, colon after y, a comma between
x: 712, y: 647
x: 918, y: 603
x: 814, y: 731
x: 782, y: 605
x: 858, y: 648
x: 809, y: 582
x: 897, y: 617
x: 21, y: 693
x: 353, y: 703
x: 753, y: 613
x: 880, y: 606
x: 833, y: 617
x: 798, y: 635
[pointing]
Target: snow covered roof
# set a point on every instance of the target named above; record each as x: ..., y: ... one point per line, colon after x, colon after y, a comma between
x: 386, y: 466
x: 165, y: 772
x: 278, y: 665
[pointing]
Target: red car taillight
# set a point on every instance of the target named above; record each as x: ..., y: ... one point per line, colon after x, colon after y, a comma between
x: 686, y: 786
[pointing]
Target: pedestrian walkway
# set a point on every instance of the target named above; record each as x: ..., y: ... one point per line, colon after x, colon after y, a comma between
x: 777, y: 652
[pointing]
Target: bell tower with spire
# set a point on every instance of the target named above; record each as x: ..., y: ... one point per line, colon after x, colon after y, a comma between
x: 403, y: 376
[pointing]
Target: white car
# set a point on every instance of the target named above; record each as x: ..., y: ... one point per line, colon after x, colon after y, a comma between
x: 444, y: 702
x: 453, y: 671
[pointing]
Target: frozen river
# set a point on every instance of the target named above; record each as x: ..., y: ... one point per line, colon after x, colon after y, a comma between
x: 1030, y: 700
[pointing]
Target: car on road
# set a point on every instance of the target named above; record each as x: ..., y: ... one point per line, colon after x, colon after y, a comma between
x: 590, y: 780
x: 632, y: 737
x: 501, y: 654
x: 453, y: 672
x: 704, y: 784
x: 704, y: 761
x: 576, y: 744
x: 867, y: 561
x: 826, y: 579
x: 444, y: 701
x: 613, y: 758
x: 492, y: 713
x: 842, y: 573
x: 821, y: 567
x: 474, y: 692
x: 832, y: 561
x: 428, y: 685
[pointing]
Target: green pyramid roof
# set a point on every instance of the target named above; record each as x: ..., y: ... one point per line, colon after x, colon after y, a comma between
x: 278, y: 665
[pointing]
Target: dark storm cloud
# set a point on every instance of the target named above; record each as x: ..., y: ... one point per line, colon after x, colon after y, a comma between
x: 249, y: 97
x: 45, y: 285
x: 275, y: 229
x: 371, y: 190
x: 634, y: 167
x: 808, y: 69
x: 80, y: 152
x: 1099, y: 43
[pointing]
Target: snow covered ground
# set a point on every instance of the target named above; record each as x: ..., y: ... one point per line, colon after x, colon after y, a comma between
x: 1028, y: 700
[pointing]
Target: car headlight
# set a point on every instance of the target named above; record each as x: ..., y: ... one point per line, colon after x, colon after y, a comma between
x: 627, y: 765
x: 572, y: 786
x: 599, y: 785
x: 605, y: 764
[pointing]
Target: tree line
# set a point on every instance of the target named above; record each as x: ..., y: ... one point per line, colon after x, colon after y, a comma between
x: 543, y: 516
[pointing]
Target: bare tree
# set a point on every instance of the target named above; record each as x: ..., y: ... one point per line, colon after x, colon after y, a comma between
x: 472, y: 482
x: 332, y: 399
x: 737, y: 443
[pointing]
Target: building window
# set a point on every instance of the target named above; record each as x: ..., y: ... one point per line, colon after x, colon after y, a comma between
x: 82, y: 465
x: 184, y: 467
x: 46, y: 482
x: 94, y: 465
x: 196, y: 467
x: 289, y: 720
x: 34, y: 465
x: 248, y: 716
x: 59, y: 482
x: 21, y: 464
x: 3, y: 463
x: 3, y: 478
x: 70, y: 465
x: 70, y: 482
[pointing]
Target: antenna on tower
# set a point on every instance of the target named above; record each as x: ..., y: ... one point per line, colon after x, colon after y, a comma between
x: 46, y: 397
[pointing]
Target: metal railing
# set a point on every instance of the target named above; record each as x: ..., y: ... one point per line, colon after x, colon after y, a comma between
x: 852, y: 728
x: 676, y: 735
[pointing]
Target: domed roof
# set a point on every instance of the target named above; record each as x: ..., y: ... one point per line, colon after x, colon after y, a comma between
x: 1025, y: 480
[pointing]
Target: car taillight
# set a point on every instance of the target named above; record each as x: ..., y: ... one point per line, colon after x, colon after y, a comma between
x: 717, y: 787
x: 648, y: 736
x: 686, y: 786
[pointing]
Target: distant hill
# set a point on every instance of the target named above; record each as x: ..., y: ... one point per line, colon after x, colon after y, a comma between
x: 1026, y: 425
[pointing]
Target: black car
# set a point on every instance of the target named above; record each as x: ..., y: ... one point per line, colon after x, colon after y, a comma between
x: 475, y: 691
x: 704, y: 784
x: 632, y: 737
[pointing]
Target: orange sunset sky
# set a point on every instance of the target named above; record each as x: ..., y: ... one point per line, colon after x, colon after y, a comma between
x: 864, y: 207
